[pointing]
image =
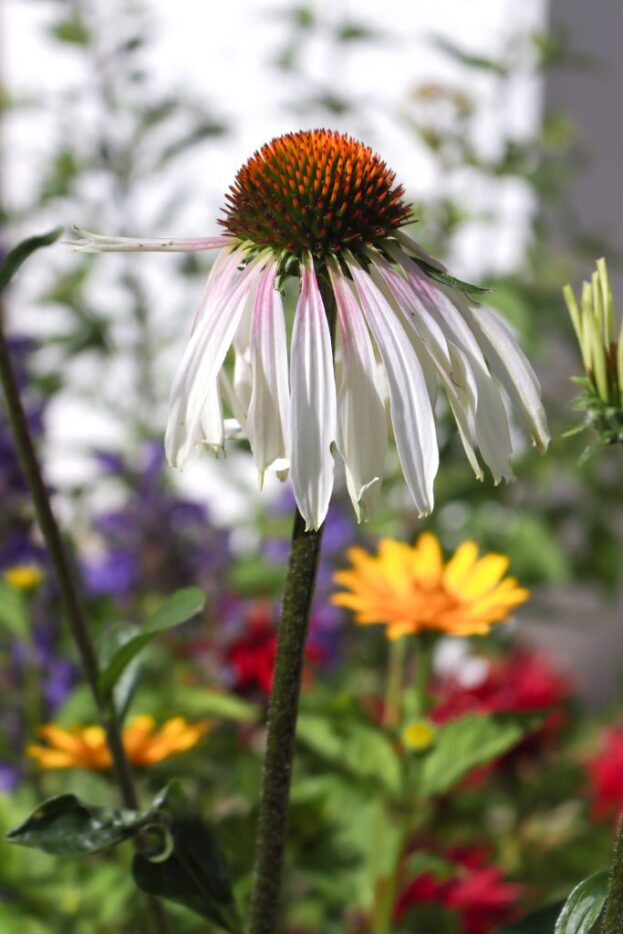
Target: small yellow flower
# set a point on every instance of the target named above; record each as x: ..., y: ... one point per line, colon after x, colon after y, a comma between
x: 410, y: 589
x: 419, y: 735
x: 23, y: 576
x: 86, y: 747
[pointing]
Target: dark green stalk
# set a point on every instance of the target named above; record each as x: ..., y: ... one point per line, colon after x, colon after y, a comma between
x: 613, y: 911
x: 59, y: 557
x: 283, y: 710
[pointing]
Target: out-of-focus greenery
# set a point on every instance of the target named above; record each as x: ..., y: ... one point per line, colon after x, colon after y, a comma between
x: 361, y: 812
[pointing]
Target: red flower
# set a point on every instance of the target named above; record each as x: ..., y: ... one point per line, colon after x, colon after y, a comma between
x: 522, y: 682
x: 251, y: 657
x: 605, y: 772
x: 478, y: 892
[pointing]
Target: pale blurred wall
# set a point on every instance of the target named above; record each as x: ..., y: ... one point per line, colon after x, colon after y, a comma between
x: 590, y: 93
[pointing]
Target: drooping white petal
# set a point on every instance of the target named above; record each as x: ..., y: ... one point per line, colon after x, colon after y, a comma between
x: 362, y: 422
x: 211, y: 428
x: 412, y: 246
x: 313, y: 412
x: 433, y: 351
x: 411, y: 411
x: 96, y: 243
x: 202, y: 361
x: 512, y: 368
x: 268, y: 422
x: 220, y: 278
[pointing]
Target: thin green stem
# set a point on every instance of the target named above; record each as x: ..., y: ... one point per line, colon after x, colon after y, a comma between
x: 76, y: 617
x: 423, y: 663
x: 393, y: 692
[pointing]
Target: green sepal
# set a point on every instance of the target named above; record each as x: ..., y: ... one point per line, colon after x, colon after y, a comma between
x: 472, y: 291
x: 67, y: 826
x: 130, y: 640
x: 22, y: 251
x: 584, y: 905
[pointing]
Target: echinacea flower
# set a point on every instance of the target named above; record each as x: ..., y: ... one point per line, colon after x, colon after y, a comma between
x: 323, y: 207
x: 86, y: 747
x: 410, y: 589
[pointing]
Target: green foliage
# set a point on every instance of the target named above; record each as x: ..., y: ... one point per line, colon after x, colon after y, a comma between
x: 20, y: 253
x: 13, y: 613
x: 463, y: 744
x: 66, y: 826
x: 128, y: 642
x: 582, y: 909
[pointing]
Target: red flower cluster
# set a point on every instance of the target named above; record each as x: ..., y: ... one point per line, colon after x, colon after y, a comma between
x: 605, y: 771
x: 478, y: 892
x: 251, y: 657
x: 523, y: 681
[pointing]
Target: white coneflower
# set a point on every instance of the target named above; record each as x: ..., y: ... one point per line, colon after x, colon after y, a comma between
x: 323, y: 207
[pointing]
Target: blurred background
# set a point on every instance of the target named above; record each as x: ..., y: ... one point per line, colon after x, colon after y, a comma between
x: 500, y: 119
x: 131, y: 117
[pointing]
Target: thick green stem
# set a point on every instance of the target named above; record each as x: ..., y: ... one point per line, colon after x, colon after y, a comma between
x: 59, y: 557
x: 282, y: 714
x: 284, y: 702
x: 613, y: 912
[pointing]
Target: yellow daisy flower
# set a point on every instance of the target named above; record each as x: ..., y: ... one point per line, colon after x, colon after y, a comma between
x: 86, y: 747
x: 410, y: 589
x: 23, y: 576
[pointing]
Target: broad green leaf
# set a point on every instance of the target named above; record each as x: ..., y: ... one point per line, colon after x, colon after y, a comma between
x: 13, y: 616
x: 66, y: 826
x: 181, y: 606
x: 358, y: 748
x: 202, y: 702
x: 21, y: 252
x: 466, y: 743
x: 193, y: 871
x: 584, y: 905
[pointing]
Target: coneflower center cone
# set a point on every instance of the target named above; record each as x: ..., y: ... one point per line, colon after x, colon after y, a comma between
x: 318, y: 191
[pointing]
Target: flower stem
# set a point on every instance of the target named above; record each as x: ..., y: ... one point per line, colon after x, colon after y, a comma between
x: 282, y: 714
x: 284, y: 702
x: 424, y: 659
x: 393, y: 691
x: 60, y: 559
x: 613, y: 911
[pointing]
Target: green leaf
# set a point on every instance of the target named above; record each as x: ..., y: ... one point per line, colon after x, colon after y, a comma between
x: 202, y: 702
x: 180, y: 607
x: 466, y: 743
x: 66, y: 826
x: 22, y: 251
x: 472, y: 291
x: 13, y: 614
x: 584, y: 905
x: 363, y: 751
x: 193, y: 871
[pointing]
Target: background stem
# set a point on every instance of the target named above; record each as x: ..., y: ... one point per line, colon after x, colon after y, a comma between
x: 59, y: 557
x: 613, y: 911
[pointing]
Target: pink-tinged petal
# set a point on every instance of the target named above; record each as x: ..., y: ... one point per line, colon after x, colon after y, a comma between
x: 220, y: 278
x: 411, y: 246
x: 96, y: 243
x: 313, y: 403
x: 513, y: 369
x: 268, y: 423
x: 411, y: 411
x: 202, y: 360
x: 362, y: 422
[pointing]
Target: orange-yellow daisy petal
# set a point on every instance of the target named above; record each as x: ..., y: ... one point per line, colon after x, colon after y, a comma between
x: 409, y: 589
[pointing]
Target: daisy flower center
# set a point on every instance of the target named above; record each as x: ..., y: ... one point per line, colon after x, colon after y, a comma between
x: 315, y: 190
